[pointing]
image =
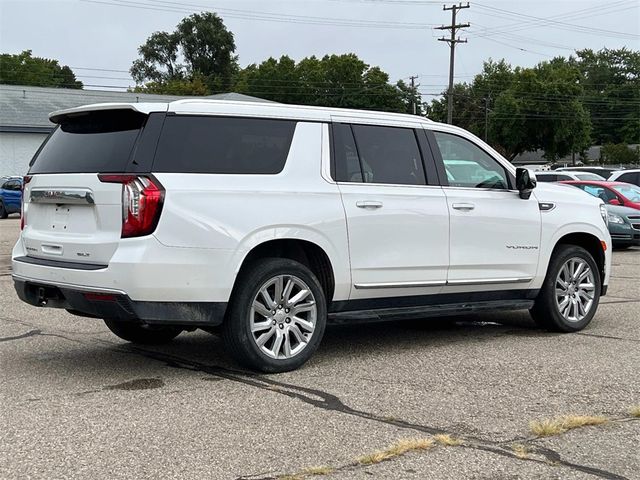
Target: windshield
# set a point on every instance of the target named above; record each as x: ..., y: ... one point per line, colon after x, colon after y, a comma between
x: 90, y: 142
x: 630, y: 191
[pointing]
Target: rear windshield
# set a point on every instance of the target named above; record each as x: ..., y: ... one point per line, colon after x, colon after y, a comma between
x: 198, y: 144
x: 90, y: 142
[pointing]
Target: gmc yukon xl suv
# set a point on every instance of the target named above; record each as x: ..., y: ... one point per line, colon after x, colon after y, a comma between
x: 264, y: 221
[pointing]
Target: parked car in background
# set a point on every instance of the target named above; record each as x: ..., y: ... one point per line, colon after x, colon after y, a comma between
x: 604, y: 172
x: 611, y: 193
x: 10, y: 196
x: 562, y: 176
x: 627, y: 176
x: 624, y: 226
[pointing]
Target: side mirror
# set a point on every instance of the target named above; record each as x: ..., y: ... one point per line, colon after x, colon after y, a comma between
x: 614, y: 201
x: 525, y: 182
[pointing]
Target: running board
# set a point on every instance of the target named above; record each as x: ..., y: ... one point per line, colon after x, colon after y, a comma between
x: 406, y: 313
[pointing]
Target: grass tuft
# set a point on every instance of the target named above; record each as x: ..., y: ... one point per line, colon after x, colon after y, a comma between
x: 520, y: 451
x: 556, y: 426
x: 399, y: 448
x: 447, y: 440
x: 635, y: 411
x: 323, y: 470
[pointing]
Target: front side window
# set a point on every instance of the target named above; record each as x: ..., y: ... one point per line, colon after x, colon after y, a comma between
x: 201, y: 144
x: 389, y: 155
x: 629, y: 191
x: 602, y: 193
x: 467, y: 165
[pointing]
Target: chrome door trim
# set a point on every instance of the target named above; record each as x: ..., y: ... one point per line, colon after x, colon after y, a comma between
x: 67, y: 196
x: 490, y: 281
x: 441, y: 283
x: 432, y: 283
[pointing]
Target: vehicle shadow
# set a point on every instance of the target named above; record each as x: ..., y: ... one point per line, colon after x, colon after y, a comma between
x: 204, y: 352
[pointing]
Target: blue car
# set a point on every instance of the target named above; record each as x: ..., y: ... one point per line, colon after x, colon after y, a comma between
x: 10, y: 195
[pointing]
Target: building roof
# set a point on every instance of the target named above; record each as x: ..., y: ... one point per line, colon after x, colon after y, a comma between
x: 26, y: 108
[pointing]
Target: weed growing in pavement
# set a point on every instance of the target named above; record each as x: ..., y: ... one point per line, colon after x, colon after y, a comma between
x: 555, y: 426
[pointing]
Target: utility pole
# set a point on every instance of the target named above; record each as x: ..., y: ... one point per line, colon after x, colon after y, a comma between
x: 486, y: 117
x: 452, y: 40
x: 413, y: 94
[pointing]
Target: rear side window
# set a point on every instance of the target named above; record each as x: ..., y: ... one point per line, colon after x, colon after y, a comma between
x: 347, y: 163
x: 198, y: 144
x: 91, y: 142
x: 562, y: 178
x: 389, y: 155
x: 546, y: 178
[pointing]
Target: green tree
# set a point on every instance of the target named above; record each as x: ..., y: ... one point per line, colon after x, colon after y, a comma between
x: 619, y: 154
x: 200, y: 47
x: 25, y: 69
x: 611, y: 82
x: 332, y: 81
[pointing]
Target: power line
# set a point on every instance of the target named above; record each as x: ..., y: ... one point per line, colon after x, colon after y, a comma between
x: 452, y: 41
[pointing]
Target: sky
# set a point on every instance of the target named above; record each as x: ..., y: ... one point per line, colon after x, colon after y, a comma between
x: 99, y: 39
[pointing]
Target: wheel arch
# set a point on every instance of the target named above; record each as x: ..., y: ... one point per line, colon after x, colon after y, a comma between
x: 307, y: 252
x: 590, y: 242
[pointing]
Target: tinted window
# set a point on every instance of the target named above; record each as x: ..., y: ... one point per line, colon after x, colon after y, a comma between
x: 90, y: 142
x: 629, y: 177
x: 347, y: 164
x: 13, y: 185
x: 546, y: 178
x: 193, y: 144
x: 561, y: 178
x: 467, y: 165
x: 389, y: 155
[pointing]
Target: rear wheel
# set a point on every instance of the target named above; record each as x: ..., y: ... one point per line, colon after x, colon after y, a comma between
x: 276, y: 317
x: 142, y: 334
x: 3, y: 211
x: 570, y: 294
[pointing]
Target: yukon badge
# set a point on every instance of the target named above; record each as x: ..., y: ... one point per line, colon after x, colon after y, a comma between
x: 522, y: 247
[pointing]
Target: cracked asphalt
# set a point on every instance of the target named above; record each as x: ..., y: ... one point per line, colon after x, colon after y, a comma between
x: 77, y: 402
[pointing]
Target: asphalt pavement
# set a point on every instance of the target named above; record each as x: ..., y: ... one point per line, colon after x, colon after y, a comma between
x: 459, y: 396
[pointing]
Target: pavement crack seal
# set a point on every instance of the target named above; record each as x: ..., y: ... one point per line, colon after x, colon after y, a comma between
x: 30, y: 333
x: 329, y: 402
x: 609, y: 337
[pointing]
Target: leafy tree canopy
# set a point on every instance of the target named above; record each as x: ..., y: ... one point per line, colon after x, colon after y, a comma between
x: 332, y: 81
x: 199, y: 47
x: 25, y: 69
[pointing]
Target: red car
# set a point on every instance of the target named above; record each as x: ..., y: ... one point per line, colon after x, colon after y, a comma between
x: 612, y: 193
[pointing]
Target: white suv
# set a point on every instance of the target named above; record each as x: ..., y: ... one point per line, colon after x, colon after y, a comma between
x: 263, y: 221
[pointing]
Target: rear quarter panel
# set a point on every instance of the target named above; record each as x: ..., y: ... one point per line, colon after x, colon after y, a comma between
x: 232, y: 214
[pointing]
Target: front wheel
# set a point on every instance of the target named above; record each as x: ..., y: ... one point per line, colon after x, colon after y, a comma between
x: 142, y: 334
x: 3, y: 211
x: 276, y: 317
x: 570, y: 294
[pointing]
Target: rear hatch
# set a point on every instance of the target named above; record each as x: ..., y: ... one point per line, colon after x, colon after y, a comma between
x: 70, y: 215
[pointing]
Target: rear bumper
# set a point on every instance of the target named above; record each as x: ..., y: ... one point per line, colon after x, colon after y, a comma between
x: 116, y: 305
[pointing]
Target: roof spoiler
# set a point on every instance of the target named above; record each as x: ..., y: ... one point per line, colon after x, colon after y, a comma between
x: 145, y: 108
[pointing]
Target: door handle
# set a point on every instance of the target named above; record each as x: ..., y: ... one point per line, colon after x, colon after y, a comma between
x: 463, y: 206
x: 368, y: 204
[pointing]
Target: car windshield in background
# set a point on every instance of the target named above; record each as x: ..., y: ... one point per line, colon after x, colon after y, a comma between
x: 629, y: 191
x: 99, y: 141
x: 589, y: 176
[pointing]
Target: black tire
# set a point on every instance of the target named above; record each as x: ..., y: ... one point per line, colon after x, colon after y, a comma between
x: 142, y: 334
x: 236, y: 330
x: 3, y: 211
x: 546, y: 312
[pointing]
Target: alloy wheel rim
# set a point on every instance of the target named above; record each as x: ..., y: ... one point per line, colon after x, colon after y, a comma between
x: 283, y: 317
x: 575, y: 289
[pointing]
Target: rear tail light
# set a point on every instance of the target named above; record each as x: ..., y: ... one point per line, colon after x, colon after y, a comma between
x: 23, y: 220
x: 142, y: 199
